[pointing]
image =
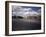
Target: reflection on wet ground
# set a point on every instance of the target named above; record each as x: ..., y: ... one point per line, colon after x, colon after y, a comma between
x: 25, y: 24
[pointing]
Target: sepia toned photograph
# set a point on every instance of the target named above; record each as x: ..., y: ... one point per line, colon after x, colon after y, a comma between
x: 24, y: 18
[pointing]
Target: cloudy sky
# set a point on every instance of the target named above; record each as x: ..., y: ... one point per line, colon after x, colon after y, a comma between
x: 25, y: 10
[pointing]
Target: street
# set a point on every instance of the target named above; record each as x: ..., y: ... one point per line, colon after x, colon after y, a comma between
x: 20, y: 24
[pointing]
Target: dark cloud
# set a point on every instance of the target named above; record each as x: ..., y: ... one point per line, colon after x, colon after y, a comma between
x: 25, y: 10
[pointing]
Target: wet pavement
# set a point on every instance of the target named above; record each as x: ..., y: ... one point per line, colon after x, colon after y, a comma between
x: 20, y: 24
